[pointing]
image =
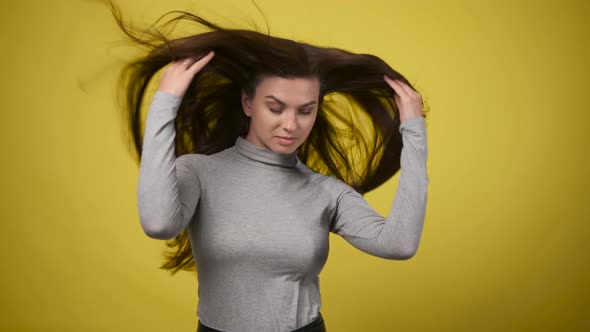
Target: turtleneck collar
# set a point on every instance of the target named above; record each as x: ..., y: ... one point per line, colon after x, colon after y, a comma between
x: 264, y: 155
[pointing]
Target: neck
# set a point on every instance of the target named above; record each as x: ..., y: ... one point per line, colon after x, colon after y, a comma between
x: 264, y: 154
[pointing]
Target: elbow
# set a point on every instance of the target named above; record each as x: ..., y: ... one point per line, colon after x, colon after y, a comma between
x: 402, y: 253
x: 407, y: 254
x: 158, y: 224
x: 158, y: 235
x: 156, y: 231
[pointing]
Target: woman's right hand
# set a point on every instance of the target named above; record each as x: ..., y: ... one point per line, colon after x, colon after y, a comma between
x: 179, y: 74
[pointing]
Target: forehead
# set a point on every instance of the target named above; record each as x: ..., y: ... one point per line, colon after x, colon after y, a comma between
x: 289, y: 89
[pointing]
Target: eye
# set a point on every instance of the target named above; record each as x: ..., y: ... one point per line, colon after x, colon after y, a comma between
x: 306, y: 112
x: 275, y: 111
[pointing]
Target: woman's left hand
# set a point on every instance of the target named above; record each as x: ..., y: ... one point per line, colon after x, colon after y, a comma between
x: 407, y: 99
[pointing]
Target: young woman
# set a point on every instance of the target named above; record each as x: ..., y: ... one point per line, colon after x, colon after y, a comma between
x: 245, y: 155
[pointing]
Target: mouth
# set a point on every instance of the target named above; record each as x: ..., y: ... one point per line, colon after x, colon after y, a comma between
x: 286, y: 140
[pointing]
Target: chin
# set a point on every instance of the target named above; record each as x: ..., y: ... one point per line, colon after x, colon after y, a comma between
x: 284, y: 149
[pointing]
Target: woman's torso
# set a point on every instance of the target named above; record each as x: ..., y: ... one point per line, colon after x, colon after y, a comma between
x: 260, y: 237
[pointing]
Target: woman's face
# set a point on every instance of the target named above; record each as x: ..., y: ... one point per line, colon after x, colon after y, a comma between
x: 282, y: 112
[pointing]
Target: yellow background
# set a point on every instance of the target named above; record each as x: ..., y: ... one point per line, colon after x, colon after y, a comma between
x: 505, y: 244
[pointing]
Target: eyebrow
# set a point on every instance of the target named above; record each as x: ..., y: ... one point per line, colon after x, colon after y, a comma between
x: 283, y: 104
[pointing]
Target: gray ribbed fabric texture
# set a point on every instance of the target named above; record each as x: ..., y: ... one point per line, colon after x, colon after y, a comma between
x: 259, y: 221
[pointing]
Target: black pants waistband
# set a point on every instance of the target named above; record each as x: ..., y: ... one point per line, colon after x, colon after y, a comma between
x: 317, y: 325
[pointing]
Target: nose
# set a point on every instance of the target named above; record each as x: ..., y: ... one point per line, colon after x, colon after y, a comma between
x: 289, y: 122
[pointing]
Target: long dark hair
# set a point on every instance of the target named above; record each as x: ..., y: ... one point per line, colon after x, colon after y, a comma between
x: 210, y: 116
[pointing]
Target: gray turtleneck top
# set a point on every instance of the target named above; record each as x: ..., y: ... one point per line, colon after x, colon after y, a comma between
x: 259, y: 221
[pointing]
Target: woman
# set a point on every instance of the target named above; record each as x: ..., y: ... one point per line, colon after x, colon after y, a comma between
x: 244, y: 154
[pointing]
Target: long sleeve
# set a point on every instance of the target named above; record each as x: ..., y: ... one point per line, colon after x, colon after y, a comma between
x: 168, y: 188
x: 398, y: 235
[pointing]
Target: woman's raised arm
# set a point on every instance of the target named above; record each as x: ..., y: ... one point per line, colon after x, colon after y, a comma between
x: 168, y: 188
x: 398, y: 236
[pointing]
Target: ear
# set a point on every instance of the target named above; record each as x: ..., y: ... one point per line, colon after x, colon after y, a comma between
x: 246, y: 104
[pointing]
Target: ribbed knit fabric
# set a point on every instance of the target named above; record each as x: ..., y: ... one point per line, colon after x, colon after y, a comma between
x: 259, y: 221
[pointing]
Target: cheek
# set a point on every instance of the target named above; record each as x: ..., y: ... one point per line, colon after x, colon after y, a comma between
x: 266, y: 120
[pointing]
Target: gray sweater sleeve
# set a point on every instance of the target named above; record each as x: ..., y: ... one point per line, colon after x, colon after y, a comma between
x: 398, y: 236
x: 168, y: 188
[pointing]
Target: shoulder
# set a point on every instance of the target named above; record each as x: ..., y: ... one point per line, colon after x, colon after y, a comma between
x: 340, y: 190
x: 204, y: 159
x: 311, y: 174
x: 339, y: 187
x: 198, y: 164
x: 192, y: 159
x: 201, y: 163
x: 329, y: 183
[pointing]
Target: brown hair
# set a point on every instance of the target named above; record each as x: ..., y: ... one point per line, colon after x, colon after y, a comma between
x: 210, y: 115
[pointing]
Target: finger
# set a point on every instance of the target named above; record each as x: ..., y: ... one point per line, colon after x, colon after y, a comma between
x: 188, y: 62
x: 390, y: 82
x: 396, y: 86
x: 181, y: 63
x: 408, y: 89
x: 198, y: 65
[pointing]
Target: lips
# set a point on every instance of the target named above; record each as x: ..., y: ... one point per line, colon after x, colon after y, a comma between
x: 286, y: 140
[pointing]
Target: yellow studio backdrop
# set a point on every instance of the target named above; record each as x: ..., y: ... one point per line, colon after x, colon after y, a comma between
x: 505, y: 245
